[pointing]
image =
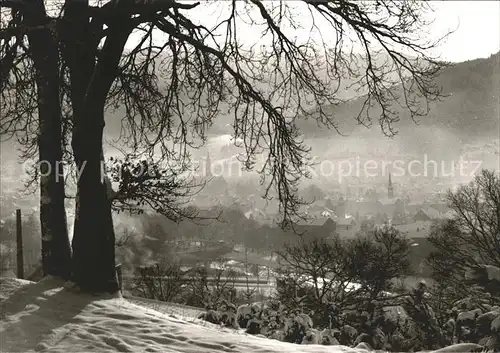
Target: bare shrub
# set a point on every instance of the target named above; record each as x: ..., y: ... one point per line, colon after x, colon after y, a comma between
x: 161, y: 281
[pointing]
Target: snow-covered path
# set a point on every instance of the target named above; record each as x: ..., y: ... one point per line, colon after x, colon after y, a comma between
x: 47, y: 317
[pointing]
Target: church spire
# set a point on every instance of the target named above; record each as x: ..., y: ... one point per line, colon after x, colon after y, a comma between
x: 390, y: 189
x: 208, y: 166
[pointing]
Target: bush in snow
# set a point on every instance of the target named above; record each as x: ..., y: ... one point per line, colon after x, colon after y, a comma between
x: 268, y: 319
x: 330, y: 337
x: 296, y: 327
x: 211, y: 316
x: 159, y: 281
x: 428, y: 332
x: 312, y: 336
x: 227, y: 312
x: 224, y: 315
x: 200, y: 292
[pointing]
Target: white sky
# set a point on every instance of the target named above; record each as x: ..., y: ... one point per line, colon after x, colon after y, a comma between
x: 477, y: 35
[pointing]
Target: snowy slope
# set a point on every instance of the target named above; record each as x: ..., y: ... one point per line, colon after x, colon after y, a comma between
x: 47, y: 317
x: 177, y: 311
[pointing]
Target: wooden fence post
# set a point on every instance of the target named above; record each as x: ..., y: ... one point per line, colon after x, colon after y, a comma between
x: 19, y: 239
x: 119, y: 276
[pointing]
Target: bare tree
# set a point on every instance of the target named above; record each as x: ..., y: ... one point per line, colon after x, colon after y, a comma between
x: 328, y: 269
x: 174, y: 88
x: 471, y: 240
x: 378, y: 257
x: 30, y: 83
x: 477, y: 207
x: 315, y: 274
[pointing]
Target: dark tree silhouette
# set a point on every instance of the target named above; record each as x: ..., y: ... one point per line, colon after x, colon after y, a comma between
x: 173, y: 88
x: 471, y: 240
x: 29, y: 83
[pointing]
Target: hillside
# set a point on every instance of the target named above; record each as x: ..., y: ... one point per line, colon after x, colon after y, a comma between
x: 470, y: 111
x: 47, y: 317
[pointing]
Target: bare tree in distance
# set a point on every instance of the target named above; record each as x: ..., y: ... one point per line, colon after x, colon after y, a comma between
x: 470, y: 240
x: 172, y: 89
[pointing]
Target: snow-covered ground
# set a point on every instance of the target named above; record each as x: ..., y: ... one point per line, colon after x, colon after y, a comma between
x: 45, y: 316
x: 48, y: 317
x: 178, y: 311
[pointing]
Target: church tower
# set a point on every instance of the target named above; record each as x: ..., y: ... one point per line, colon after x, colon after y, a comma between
x: 208, y: 166
x: 390, y: 189
x: 340, y: 210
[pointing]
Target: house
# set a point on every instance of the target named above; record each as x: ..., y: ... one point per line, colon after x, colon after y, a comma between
x: 426, y: 214
x: 346, y: 227
x: 341, y: 207
x: 346, y: 224
x: 318, y: 227
x: 390, y: 205
x: 317, y: 210
x: 363, y: 207
x: 442, y: 207
x: 413, y: 206
x: 329, y: 226
x: 418, y: 229
x: 210, y: 251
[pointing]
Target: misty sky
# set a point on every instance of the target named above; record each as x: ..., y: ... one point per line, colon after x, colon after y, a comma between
x: 476, y: 25
x: 478, y: 34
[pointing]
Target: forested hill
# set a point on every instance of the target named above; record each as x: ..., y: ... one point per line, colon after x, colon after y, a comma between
x: 470, y: 110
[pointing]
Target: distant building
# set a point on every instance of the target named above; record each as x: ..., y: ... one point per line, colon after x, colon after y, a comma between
x: 340, y: 210
x: 345, y: 224
x: 320, y: 228
x: 418, y: 229
x: 208, y: 166
x: 391, y: 205
x: 442, y: 207
x: 426, y: 214
x: 346, y: 228
x: 216, y: 188
x: 414, y: 206
x: 390, y: 188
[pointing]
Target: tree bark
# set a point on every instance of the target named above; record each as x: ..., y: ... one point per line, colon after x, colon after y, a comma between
x: 94, y: 238
x: 93, y: 244
x: 56, y: 250
x: 93, y: 262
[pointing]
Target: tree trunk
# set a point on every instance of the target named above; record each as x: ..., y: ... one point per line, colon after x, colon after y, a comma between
x: 94, y: 238
x: 56, y: 251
